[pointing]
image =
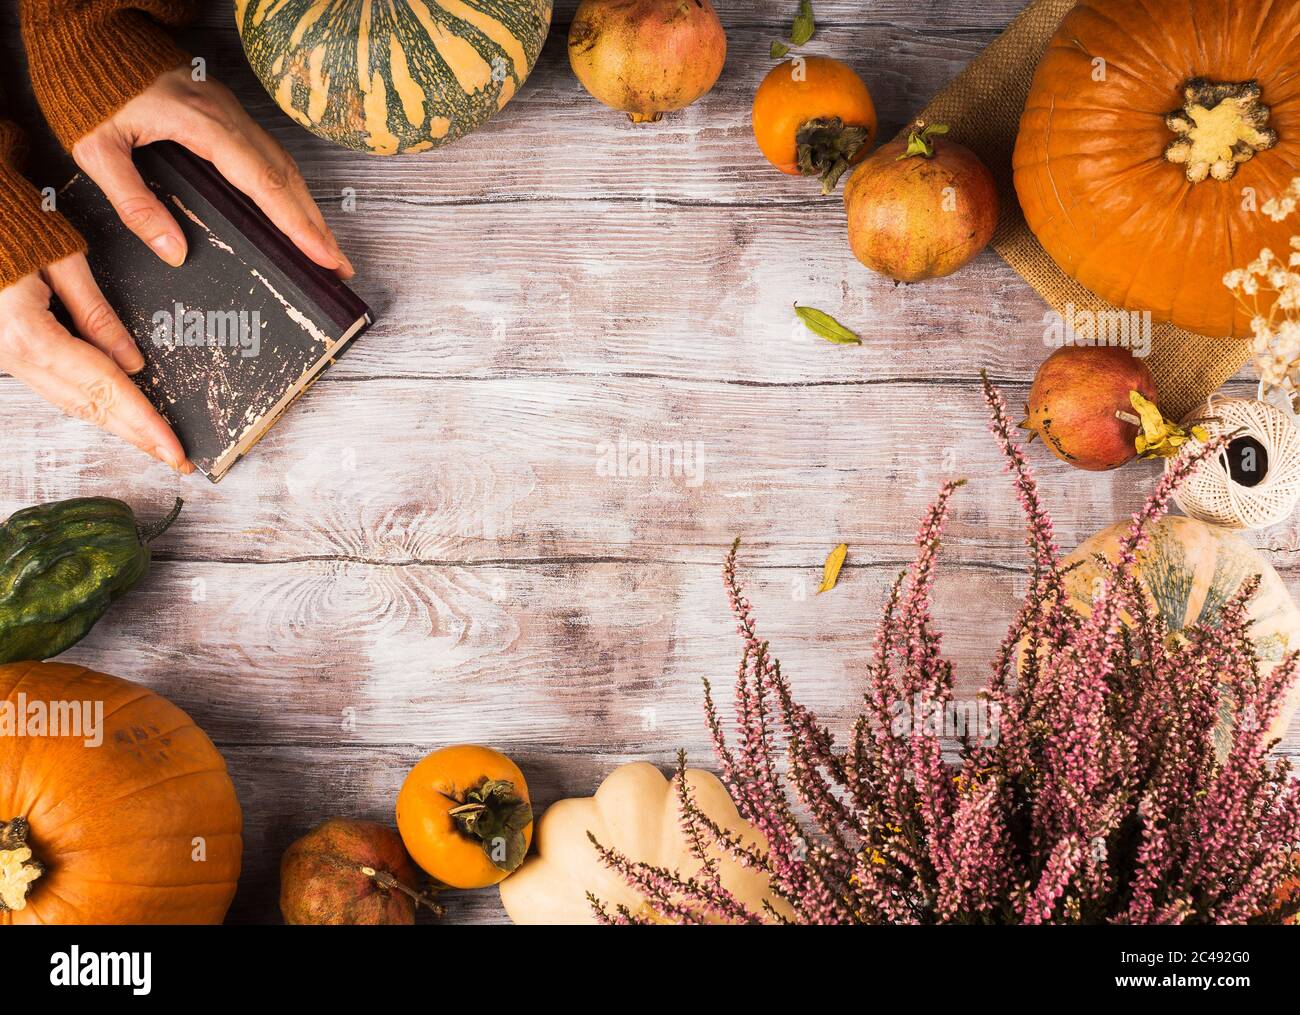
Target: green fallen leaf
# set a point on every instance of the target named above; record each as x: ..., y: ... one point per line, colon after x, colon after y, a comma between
x: 800, y: 31
x: 803, y: 27
x: 824, y: 325
x: 831, y: 570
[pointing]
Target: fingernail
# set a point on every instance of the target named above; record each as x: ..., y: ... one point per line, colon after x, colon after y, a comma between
x: 169, y: 248
x: 128, y: 357
x: 344, y: 263
x: 170, y: 457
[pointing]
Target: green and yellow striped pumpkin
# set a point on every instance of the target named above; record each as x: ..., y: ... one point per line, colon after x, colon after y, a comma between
x: 392, y: 76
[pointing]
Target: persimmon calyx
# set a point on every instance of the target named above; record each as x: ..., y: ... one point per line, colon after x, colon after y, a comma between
x: 1221, y: 125
x: 18, y: 868
x: 825, y: 147
x: 495, y: 816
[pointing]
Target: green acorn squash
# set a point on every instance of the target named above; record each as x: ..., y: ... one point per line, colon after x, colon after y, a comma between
x: 61, y: 565
x: 392, y: 76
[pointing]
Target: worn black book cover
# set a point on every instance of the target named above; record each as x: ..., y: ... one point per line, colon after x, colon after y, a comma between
x: 233, y: 336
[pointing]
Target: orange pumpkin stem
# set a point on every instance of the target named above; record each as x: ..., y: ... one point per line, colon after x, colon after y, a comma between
x: 390, y: 883
x: 1221, y: 125
x: 826, y: 146
x: 18, y: 868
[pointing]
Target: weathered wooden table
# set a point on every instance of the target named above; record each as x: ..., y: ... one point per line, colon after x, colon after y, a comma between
x: 431, y: 548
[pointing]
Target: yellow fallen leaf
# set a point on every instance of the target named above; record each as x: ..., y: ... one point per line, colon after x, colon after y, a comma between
x: 831, y: 571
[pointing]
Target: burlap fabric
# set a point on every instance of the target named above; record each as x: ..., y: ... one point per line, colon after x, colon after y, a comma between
x: 982, y: 105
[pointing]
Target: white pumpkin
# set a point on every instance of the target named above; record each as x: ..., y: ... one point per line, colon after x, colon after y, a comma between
x: 636, y: 812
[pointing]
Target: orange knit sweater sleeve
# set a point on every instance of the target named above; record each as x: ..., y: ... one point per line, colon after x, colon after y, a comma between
x: 32, y: 233
x: 87, y: 59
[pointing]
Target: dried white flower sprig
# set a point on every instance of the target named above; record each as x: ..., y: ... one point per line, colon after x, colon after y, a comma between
x: 1269, y: 288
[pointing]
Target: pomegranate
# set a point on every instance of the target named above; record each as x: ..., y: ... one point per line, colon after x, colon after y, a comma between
x: 647, y: 57
x: 350, y: 872
x: 920, y: 208
x: 1080, y: 405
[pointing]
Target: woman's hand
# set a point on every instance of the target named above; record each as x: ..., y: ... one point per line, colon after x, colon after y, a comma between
x: 206, y: 118
x: 86, y: 377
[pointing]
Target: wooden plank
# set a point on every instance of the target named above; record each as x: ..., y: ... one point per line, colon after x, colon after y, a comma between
x: 563, y: 657
x: 666, y: 290
x: 695, y: 292
x: 538, y: 468
x: 287, y: 791
x: 512, y: 469
x: 554, y: 141
x: 335, y: 652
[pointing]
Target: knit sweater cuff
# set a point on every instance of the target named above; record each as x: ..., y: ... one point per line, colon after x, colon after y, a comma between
x: 88, y: 65
x: 30, y: 238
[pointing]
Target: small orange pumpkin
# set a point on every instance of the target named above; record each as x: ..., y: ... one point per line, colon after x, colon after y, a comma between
x: 1149, y: 131
x: 465, y: 817
x: 114, y: 808
x: 814, y: 117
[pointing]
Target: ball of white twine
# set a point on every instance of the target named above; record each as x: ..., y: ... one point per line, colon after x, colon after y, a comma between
x: 1211, y: 495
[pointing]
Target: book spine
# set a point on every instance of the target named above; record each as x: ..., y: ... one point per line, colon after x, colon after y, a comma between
x: 320, y: 285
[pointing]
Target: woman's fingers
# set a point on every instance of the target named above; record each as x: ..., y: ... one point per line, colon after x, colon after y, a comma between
x: 275, y: 154
x: 105, y: 157
x: 251, y: 160
x: 206, y: 118
x: 94, y: 319
x: 87, y: 385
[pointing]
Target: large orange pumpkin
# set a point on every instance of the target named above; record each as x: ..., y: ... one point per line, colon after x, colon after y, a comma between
x: 1152, y: 134
x: 126, y: 816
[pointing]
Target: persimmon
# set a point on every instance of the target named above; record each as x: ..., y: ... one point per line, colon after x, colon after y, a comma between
x: 813, y: 116
x: 464, y: 815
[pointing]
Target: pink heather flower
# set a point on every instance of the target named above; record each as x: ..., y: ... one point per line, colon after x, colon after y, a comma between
x: 1113, y: 792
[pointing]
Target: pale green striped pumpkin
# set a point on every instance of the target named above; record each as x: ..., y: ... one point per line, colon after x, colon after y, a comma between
x: 391, y: 76
x: 1190, y: 571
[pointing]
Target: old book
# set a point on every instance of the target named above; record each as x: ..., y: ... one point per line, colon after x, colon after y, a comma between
x: 232, y: 337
